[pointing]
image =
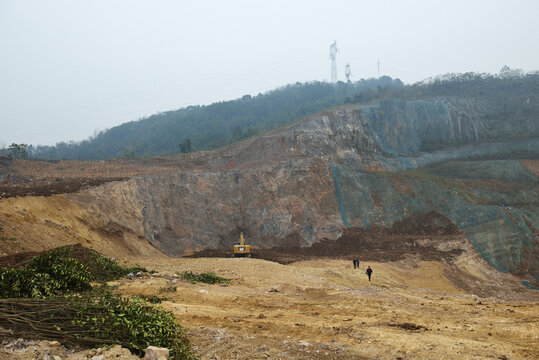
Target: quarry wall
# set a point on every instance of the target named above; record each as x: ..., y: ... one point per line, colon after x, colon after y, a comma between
x: 355, y: 166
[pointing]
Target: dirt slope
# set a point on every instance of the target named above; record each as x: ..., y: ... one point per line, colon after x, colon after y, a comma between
x: 40, y: 223
x: 324, y: 309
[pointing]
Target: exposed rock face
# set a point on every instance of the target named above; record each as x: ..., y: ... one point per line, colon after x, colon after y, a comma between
x: 267, y: 203
x: 390, y: 135
x: 355, y: 166
x: 497, y: 215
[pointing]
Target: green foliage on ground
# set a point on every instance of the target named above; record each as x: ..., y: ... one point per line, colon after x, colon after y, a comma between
x: 153, y: 299
x: 133, y: 323
x: 48, y: 274
x: 51, y: 298
x: 95, y: 319
x: 67, y: 268
x: 207, y: 278
x: 105, y: 269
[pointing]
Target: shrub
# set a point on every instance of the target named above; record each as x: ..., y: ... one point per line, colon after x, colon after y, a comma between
x: 167, y: 289
x: 101, y: 267
x: 45, y: 275
x: 34, y: 307
x: 208, y: 278
x: 67, y: 268
x: 153, y: 299
x: 105, y: 269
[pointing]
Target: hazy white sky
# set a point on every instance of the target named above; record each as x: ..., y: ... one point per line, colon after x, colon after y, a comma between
x: 70, y: 67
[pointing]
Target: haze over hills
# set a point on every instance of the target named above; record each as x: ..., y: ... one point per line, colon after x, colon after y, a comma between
x: 208, y: 127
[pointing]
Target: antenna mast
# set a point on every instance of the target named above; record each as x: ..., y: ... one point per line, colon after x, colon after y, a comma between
x: 378, y: 68
x: 333, y: 56
x: 347, y: 72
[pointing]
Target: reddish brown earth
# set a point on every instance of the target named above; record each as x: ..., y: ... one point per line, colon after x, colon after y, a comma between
x: 429, y: 237
x: 45, y: 178
x: 373, y: 245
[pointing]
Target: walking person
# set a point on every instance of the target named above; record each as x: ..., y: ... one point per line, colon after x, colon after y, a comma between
x: 369, y: 272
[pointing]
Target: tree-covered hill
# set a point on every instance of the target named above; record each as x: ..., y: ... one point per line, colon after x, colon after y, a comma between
x: 512, y: 97
x: 212, y: 126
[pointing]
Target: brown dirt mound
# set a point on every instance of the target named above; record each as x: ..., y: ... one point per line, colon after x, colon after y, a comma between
x: 28, y: 187
x: 377, y: 244
x: 80, y: 253
x: 416, y: 235
x: 45, y: 178
x: 17, y: 260
x: 431, y: 223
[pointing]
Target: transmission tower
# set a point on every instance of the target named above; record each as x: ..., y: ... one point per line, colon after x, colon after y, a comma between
x: 378, y: 68
x: 347, y: 72
x: 333, y: 56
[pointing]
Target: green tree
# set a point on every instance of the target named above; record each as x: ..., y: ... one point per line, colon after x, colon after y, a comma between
x: 18, y: 151
x: 185, y: 146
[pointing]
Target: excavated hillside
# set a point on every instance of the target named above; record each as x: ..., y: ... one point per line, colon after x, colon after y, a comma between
x: 427, y: 193
x: 359, y: 166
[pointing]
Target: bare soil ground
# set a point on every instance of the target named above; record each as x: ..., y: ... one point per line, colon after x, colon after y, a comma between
x: 431, y: 295
x: 325, y: 309
x: 44, y: 178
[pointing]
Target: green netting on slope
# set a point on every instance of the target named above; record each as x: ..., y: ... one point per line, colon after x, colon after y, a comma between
x: 339, y: 195
x: 502, y: 239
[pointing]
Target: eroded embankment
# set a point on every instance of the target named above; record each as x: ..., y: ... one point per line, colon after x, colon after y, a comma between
x: 40, y: 223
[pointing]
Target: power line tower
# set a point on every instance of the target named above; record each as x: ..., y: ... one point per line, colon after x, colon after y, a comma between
x: 347, y: 72
x: 378, y: 68
x: 333, y: 56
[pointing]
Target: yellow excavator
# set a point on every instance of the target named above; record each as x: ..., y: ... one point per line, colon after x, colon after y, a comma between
x: 241, y: 249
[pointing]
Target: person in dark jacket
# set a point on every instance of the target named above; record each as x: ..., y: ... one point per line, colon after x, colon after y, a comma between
x: 369, y: 272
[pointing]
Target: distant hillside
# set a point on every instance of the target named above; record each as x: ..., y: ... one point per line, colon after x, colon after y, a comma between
x: 216, y: 125
x: 512, y: 98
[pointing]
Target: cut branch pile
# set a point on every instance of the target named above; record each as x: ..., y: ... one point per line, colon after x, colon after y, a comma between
x: 53, y: 319
x: 51, y: 298
x: 94, y: 320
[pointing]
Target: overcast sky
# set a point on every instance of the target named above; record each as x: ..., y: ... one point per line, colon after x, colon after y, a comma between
x: 68, y: 68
